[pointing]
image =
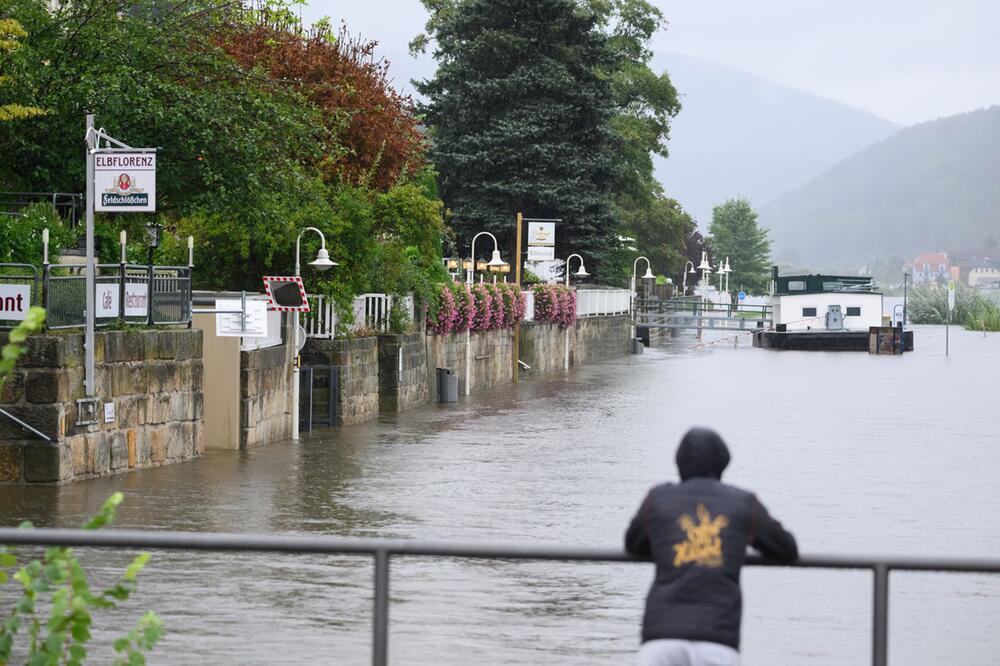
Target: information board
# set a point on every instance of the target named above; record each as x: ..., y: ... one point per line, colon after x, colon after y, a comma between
x: 228, y: 325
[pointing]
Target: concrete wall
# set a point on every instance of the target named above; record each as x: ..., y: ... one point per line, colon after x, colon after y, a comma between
x: 599, y: 338
x: 490, y: 356
x: 154, y: 379
x: 222, y: 386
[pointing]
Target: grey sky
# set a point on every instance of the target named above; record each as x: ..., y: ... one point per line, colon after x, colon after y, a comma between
x: 905, y: 60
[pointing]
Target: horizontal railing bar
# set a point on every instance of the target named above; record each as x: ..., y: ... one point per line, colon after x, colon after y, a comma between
x: 412, y: 547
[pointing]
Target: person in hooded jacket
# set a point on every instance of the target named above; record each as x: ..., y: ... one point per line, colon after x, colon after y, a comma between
x: 697, y: 532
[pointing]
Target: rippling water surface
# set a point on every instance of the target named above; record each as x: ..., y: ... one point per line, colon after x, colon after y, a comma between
x: 855, y: 453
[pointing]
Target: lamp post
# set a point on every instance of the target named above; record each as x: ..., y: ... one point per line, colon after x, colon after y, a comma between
x: 648, y: 276
x: 495, y: 260
x: 728, y: 271
x: 721, y: 272
x: 581, y: 273
x: 321, y: 263
x: 705, y: 268
x: 684, y: 288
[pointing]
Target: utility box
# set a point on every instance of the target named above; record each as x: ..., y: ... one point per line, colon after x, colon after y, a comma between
x: 447, y: 385
x: 834, y: 318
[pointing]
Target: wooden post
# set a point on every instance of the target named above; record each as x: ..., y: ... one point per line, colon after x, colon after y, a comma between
x: 516, y: 353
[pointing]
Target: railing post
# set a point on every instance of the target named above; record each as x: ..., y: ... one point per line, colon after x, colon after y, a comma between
x: 880, y: 616
x: 380, y: 628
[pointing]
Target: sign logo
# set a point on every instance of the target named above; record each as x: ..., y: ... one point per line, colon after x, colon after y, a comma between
x: 125, y: 182
x: 703, y: 545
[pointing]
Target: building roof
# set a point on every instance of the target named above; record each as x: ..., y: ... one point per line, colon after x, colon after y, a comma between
x: 935, y: 259
x: 819, y: 284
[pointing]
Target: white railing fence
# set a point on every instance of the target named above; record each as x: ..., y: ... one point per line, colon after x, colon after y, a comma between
x: 595, y: 302
x: 371, y: 312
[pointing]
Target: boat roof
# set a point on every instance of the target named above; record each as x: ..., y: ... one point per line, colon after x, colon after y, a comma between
x: 819, y: 284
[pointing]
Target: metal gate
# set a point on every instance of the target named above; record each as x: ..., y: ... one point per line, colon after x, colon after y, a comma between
x: 318, y: 395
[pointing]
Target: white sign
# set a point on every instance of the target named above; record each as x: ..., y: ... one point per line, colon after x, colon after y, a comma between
x: 951, y: 296
x: 136, y: 299
x: 125, y: 182
x: 228, y: 325
x: 541, y: 253
x: 542, y: 233
x: 109, y: 412
x: 15, y: 299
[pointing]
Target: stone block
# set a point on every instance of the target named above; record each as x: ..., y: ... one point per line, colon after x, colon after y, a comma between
x: 181, y: 408
x: 158, y: 444
x: 47, y: 463
x: 43, y: 351
x: 13, y: 389
x: 158, y: 408
x: 177, y: 443
x: 143, y: 452
x: 99, y: 452
x: 197, y: 375
x: 198, y: 406
x: 199, y: 438
x: 78, y: 454
x: 73, y: 354
x: 130, y: 446
x: 115, y: 350
x: 162, y: 377
x: 151, y: 345
x: 166, y: 344
x: 119, y: 451
x: 135, y: 345
x: 11, y: 460
x: 45, y: 418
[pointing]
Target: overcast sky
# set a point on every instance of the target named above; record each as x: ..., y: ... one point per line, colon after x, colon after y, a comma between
x: 905, y: 60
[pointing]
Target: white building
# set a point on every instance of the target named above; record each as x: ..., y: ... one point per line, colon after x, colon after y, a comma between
x: 825, y: 303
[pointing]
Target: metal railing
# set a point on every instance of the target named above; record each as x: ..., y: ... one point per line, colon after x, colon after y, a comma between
x: 123, y: 290
x: 384, y: 549
x: 69, y: 205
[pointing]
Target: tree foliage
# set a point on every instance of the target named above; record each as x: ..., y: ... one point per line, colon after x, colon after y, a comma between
x: 11, y: 34
x: 520, y: 110
x: 735, y: 234
x: 928, y: 304
x: 263, y: 128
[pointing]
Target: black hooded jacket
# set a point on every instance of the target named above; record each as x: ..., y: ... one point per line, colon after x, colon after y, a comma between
x: 697, y: 532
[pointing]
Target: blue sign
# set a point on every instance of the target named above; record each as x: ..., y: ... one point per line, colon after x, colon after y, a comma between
x: 742, y: 295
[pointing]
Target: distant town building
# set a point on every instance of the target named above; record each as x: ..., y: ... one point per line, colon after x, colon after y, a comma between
x: 931, y: 267
x: 984, y: 273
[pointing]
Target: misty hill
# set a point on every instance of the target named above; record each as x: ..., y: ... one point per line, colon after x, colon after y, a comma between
x: 742, y: 135
x: 934, y: 186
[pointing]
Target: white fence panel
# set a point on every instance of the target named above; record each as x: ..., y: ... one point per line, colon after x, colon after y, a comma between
x: 596, y: 302
x: 529, y: 305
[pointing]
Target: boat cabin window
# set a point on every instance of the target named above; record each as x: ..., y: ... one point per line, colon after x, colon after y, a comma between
x: 796, y: 285
x: 853, y: 311
x: 808, y: 312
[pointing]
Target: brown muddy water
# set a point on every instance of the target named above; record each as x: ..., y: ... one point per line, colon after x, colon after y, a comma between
x: 856, y: 454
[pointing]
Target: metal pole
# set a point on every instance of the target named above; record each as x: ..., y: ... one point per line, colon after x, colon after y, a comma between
x: 516, y: 351
x: 380, y: 630
x: 566, y: 331
x: 122, y: 239
x: 880, y: 616
x: 88, y: 336
x: 295, y: 350
x: 947, y: 331
x: 468, y: 332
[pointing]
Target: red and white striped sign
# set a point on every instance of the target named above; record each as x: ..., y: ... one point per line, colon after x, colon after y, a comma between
x: 286, y: 293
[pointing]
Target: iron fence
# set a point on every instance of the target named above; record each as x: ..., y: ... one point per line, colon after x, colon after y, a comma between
x: 383, y: 550
x: 123, y: 293
x: 68, y: 205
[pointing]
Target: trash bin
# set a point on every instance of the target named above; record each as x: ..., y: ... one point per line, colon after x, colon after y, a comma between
x: 637, y: 346
x: 447, y: 384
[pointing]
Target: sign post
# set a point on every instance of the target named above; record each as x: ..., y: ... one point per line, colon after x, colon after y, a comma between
x: 126, y: 177
x: 951, y: 308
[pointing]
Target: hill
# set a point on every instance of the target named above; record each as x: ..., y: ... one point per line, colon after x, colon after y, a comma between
x: 742, y: 135
x: 929, y: 187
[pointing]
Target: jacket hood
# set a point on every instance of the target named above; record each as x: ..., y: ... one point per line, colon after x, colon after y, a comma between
x: 702, y: 453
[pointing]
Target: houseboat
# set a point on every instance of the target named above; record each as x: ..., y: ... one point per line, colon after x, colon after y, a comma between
x: 824, y: 313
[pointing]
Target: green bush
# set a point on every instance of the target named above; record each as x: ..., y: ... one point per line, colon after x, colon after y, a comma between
x: 21, y: 236
x: 58, y: 583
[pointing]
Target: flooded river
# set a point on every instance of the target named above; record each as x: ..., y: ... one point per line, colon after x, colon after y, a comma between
x: 855, y: 454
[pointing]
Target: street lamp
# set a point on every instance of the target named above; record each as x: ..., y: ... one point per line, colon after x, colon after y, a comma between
x: 684, y: 289
x: 581, y: 273
x: 705, y: 268
x: 153, y: 231
x: 720, y: 273
x: 495, y: 260
x: 728, y: 271
x: 321, y: 263
x: 648, y: 276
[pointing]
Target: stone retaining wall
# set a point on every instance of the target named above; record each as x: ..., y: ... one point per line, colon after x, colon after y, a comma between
x: 265, y: 396
x: 154, y: 380
x: 599, y: 338
x: 491, y: 358
x: 357, y: 361
x: 402, y: 372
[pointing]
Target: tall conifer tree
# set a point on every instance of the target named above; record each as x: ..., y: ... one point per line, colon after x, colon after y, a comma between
x: 520, y: 116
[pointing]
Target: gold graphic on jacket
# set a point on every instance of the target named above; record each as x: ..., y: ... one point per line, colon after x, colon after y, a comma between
x: 703, y: 545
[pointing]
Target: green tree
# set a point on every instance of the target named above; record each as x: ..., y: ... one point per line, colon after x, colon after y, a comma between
x: 11, y: 34
x: 734, y: 233
x: 520, y: 110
